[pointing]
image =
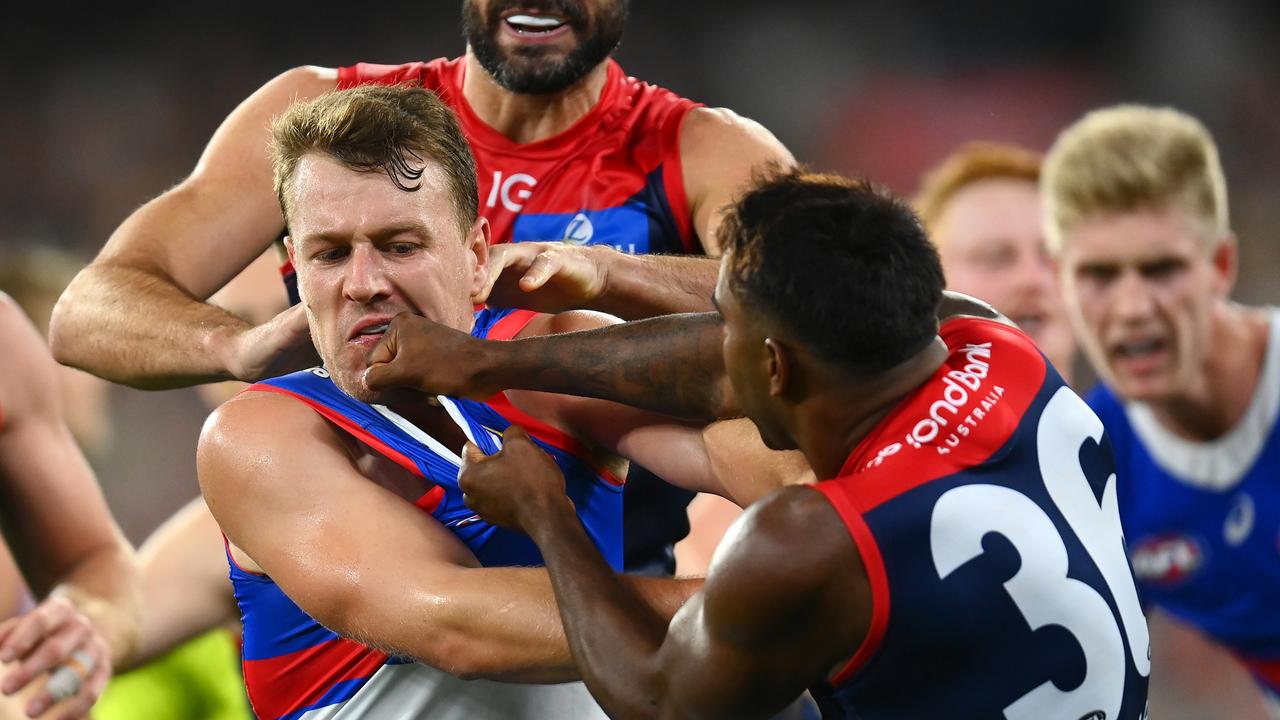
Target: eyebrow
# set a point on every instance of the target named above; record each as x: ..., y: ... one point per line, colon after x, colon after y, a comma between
x: 412, y: 227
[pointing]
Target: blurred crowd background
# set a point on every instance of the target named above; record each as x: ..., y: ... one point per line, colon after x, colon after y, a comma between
x: 105, y: 106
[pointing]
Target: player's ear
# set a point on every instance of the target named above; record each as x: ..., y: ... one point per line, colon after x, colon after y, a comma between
x: 780, y: 359
x: 289, y: 250
x: 477, y: 242
x: 1225, y: 257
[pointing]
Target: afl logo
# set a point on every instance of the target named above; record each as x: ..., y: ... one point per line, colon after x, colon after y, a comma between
x: 1167, y: 559
x: 579, y: 230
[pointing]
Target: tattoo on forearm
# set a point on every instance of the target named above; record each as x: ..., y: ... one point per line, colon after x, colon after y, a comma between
x: 670, y: 364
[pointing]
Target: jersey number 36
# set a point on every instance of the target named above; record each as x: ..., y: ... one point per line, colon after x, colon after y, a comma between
x: 1041, y: 588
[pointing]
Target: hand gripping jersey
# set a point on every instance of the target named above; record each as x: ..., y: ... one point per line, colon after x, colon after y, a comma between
x: 613, y: 178
x: 984, y: 508
x: 1203, y: 519
x: 296, y: 668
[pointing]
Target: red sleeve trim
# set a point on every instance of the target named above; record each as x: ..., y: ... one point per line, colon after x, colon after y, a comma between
x: 429, y: 500
x: 511, y: 325
x: 673, y: 179
x: 286, y: 269
x: 876, y: 576
x: 348, y: 76
x: 548, y: 434
x: 231, y: 558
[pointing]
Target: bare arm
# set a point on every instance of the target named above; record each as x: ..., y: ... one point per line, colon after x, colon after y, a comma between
x: 57, y: 523
x: 184, y: 580
x: 721, y: 152
x: 785, y: 602
x: 670, y: 364
x: 368, y: 564
x: 136, y: 315
x: 554, y: 277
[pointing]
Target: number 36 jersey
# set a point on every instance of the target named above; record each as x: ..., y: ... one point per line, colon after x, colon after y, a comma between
x: 984, y: 508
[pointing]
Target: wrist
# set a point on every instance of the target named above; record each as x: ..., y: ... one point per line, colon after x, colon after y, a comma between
x: 548, y: 517
x: 221, y: 345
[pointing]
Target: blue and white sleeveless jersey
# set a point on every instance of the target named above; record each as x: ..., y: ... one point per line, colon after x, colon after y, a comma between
x: 984, y: 509
x: 1203, y: 518
x: 296, y: 668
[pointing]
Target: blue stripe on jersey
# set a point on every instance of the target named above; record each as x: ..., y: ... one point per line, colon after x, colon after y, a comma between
x: 625, y: 227
x: 274, y: 625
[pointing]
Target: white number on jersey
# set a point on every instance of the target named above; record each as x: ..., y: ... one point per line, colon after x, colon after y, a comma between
x: 1041, y: 589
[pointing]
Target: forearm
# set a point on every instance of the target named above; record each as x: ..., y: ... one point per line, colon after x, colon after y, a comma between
x: 613, y: 632
x: 492, y: 623
x: 671, y: 364
x: 642, y: 286
x: 137, y: 328
x: 104, y: 587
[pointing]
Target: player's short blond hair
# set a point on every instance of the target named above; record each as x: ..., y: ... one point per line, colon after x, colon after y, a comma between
x: 372, y: 128
x: 1133, y: 157
x: 971, y: 163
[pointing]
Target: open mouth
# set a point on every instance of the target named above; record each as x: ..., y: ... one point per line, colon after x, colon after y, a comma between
x: 373, y: 329
x: 528, y: 25
x: 1030, y: 323
x: 1140, y: 356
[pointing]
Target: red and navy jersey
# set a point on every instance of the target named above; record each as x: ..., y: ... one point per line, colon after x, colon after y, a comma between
x: 294, y: 667
x: 984, y: 508
x: 1203, y: 518
x: 613, y: 178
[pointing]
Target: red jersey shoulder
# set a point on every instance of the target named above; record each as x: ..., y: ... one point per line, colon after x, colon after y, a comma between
x: 956, y: 420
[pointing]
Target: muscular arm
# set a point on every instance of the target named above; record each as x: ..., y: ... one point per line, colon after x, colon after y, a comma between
x: 136, y: 315
x: 786, y: 601
x: 720, y: 152
x: 367, y: 563
x: 671, y: 364
x: 54, y: 515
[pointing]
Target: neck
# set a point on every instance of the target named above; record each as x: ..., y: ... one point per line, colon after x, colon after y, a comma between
x: 831, y: 423
x: 530, y: 118
x: 1218, y: 398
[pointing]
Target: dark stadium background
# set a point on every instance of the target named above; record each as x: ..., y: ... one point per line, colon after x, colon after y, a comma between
x: 104, y: 106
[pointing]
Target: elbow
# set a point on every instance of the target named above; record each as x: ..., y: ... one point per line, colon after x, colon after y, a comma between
x: 62, y: 332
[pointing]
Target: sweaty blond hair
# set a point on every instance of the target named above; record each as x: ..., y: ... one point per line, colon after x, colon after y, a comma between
x: 971, y: 163
x: 372, y: 128
x: 1133, y: 157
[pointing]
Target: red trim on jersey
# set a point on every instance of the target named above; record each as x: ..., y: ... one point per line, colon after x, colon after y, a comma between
x: 286, y: 268
x: 506, y: 329
x: 231, y: 558
x: 291, y: 682
x: 428, y: 501
x: 673, y: 180
x: 1267, y: 670
x: 877, y: 576
x: 548, y: 434
x: 510, y: 325
x: 1017, y: 368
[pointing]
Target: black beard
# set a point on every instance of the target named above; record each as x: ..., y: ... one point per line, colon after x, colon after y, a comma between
x: 527, y: 71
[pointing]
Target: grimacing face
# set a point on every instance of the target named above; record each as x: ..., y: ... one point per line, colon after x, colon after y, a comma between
x: 746, y: 362
x: 991, y: 241
x: 365, y: 251
x: 540, y: 47
x: 1140, y: 288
